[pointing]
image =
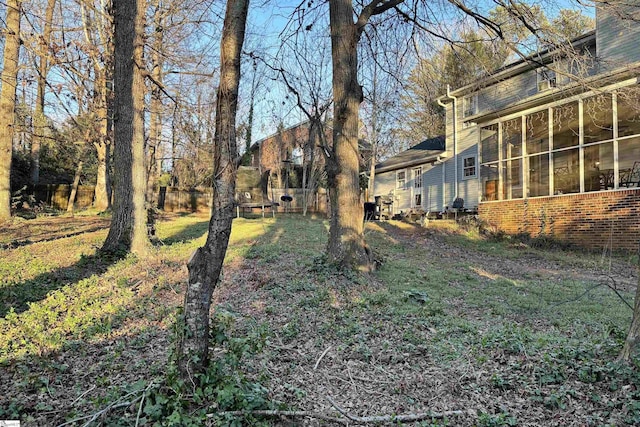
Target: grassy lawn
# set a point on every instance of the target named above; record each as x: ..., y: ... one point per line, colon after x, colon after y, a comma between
x: 507, y: 333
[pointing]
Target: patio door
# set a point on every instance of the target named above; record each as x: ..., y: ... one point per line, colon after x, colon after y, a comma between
x: 416, y: 188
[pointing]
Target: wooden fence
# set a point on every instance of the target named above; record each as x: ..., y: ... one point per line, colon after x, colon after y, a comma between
x: 57, y: 195
x: 174, y: 199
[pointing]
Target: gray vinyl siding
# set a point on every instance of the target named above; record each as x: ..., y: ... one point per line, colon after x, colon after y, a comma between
x: 468, y: 147
x: 402, y: 200
x: 616, y: 37
x: 507, y: 92
x: 384, y: 183
x: 432, y: 182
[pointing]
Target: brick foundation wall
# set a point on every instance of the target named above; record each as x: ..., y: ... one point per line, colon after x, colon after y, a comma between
x: 608, y: 219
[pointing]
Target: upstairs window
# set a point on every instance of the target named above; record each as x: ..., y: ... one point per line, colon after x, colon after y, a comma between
x: 546, y: 79
x: 401, y: 180
x: 469, y: 167
x: 470, y: 105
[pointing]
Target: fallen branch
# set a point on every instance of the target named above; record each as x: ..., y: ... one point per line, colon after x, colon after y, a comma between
x: 347, y: 419
x: 276, y: 413
x: 407, y: 418
x: 114, y: 405
x: 324, y: 353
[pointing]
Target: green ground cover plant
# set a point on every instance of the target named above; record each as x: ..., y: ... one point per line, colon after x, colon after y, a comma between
x: 453, y: 320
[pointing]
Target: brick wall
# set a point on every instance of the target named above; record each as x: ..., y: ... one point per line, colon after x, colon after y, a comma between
x: 592, y: 220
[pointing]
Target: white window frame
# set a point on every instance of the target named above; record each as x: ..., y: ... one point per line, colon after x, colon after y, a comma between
x: 401, y: 183
x: 417, y: 177
x: 470, y: 105
x: 546, y: 79
x: 466, y: 168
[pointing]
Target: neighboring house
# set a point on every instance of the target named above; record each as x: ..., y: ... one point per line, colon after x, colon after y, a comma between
x: 288, y: 150
x: 541, y: 151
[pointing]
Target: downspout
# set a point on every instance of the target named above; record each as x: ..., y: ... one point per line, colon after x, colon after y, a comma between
x: 455, y: 140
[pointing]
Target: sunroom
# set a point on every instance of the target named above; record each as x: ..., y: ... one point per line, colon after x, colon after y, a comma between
x: 586, y: 143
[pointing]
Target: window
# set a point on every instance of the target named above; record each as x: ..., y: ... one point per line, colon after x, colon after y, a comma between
x: 598, y: 118
x: 628, y: 113
x: 417, y: 178
x: 537, y: 127
x: 417, y: 200
x: 569, y: 148
x: 566, y: 127
x: 546, y: 79
x: 401, y: 179
x: 489, y: 145
x: 469, y: 105
x: 469, y: 167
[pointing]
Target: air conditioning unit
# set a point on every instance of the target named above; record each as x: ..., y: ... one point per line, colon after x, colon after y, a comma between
x: 546, y: 85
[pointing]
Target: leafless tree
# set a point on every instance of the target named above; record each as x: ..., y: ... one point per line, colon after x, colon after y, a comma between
x: 8, y: 103
x: 128, y: 222
x: 205, y: 264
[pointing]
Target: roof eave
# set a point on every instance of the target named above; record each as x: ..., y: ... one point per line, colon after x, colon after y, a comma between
x: 408, y: 163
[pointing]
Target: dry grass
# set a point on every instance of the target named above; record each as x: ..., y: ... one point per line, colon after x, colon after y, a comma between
x: 507, y: 333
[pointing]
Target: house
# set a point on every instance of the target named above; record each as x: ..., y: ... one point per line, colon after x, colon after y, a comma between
x: 549, y: 145
x: 287, y: 150
x: 410, y: 180
x: 289, y: 159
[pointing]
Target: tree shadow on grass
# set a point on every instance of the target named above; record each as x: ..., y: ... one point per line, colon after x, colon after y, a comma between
x: 189, y: 232
x: 19, y: 295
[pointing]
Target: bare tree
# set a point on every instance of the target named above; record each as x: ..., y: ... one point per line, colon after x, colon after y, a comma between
x: 40, y: 121
x: 97, y: 33
x: 347, y: 247
x: 205, y: 264
x: 128, y: 223
x: 304, y: 70
x: 8, y: 103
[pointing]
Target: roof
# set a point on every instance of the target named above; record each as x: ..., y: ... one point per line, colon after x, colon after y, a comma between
x: 426, y: 151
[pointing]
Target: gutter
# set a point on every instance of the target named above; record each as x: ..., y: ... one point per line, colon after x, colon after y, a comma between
x: 455, y: 139
x: 433, y: 158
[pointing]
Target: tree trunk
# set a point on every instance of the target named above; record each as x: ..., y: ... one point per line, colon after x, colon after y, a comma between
x: 346, y: 246
x: 102, y: 200
x: 102, y: 61
x: 155, y: 125
x: 74, y: 188
x: 102, y: 192
x: 40, y: 120
x: 631, y: 347
x: 128, y: 224
x: 8, y: 103
x: 205, y: 264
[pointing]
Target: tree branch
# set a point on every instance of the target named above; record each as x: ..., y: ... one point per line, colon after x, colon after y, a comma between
x: 376, y: 7
x: 347, y: 418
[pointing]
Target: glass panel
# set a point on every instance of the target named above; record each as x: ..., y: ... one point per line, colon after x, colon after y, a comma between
x: 489, y: 177
x: 469, y: 105
x: 469, y: 169
x: 417, y: 178
x: 539, y: 175
x: 512, y: 173
x: 598, y: 118
x: 566, y: 171
x: 489, y: 137
x: 629, y: 162
x: 512, y: 138
x: 566, y: 126
x: 598, y: 167
x: 628, y: 113
x: 538, y: 132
